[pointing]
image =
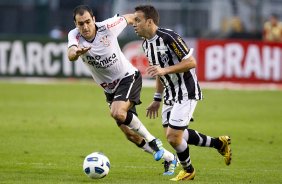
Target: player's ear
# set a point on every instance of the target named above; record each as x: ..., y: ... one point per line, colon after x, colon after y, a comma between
x: 94, y: 19
x: 151, y: 22
x: 75, y: 24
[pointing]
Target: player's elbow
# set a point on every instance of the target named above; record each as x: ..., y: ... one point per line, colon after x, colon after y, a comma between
x: 192, y: 62
x: 72, y: 58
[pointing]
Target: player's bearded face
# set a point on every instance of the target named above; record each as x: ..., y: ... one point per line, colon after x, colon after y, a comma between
x: 86, y: 25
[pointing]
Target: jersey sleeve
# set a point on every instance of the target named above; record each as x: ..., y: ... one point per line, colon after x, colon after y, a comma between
x: 73, y: 38
x: 179, y: 47
x: 116, y: 24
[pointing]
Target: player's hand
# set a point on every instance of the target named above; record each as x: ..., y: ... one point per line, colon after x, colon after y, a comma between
x: 74, y: 52
x: 82, y: 50
x: 154, y: 71
x: 152, y: 110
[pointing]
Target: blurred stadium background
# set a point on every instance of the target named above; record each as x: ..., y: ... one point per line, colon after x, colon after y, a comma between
x: 227, y: 34
x: 193, y: 18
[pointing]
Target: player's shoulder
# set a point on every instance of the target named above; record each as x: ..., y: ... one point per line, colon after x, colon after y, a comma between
x: 101, y: 26
x: 110, y: 22
x: 75, y: 32
x: 167, y: 34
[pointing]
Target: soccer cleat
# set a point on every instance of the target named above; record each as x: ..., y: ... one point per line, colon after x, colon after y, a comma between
x: 184, y: 175
x: 157, y: 146
x: 170, y: 167
x: 225, y: 149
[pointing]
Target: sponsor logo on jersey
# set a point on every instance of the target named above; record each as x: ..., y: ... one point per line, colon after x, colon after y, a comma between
x: 100, y: 62
x: 106, y: 42
x: 162, y: 48
x: 176, y: 50
x: 115, y: 23
x: 177, y: 120
x: 110, y: 85
x: 182, y: 43
x: 102, y: 28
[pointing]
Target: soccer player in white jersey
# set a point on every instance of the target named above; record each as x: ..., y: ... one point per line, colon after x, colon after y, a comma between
x: 96, y: 43
x: 173, y: 66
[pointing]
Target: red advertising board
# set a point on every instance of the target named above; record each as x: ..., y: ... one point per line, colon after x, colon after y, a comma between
x: 239, y: 61
x: 134, y: 52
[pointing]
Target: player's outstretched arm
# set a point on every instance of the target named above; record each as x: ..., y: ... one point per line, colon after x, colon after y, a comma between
x: 74, y: 52
x: 130, y: 18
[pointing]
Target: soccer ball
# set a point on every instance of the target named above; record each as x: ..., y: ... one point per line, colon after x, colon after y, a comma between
x: 96, y: 165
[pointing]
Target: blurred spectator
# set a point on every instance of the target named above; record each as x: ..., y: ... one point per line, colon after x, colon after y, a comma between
x: 272, y: 30
x: 57, y: 33
x: 233, y: 27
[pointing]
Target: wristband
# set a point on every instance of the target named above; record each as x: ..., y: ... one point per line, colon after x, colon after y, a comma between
x: 158, y: 97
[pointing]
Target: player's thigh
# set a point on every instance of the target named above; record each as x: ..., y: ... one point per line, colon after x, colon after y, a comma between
x: 181, y: 114
x: 166, y: 110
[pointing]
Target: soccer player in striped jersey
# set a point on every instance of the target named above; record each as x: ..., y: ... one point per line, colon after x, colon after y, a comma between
x: 173, y: 65
x: 96, y: 43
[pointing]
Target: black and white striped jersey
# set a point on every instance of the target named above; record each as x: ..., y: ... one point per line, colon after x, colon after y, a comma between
x: 165, y: 49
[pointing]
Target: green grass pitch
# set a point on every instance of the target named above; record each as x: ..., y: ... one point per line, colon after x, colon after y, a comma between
x: 47, y: 130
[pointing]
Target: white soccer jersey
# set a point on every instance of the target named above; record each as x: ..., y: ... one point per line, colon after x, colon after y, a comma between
x: 105, y: 60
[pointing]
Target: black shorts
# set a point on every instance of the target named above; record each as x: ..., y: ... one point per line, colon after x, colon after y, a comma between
x: 129, y: 88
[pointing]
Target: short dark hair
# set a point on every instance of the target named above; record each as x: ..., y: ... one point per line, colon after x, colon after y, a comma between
x: 150, y: 12
x: 81, y: 9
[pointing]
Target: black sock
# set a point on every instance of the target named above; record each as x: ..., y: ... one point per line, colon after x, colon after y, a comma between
x: 196, y: 138
x: 199, y: 139
x: 184, y: 158
x: 216, y: 143
x: 141, y: 144
x: 128, y: 118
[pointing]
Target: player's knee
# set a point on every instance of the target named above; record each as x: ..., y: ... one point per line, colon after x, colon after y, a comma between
x: 118, y: 115
x: 173, y: 139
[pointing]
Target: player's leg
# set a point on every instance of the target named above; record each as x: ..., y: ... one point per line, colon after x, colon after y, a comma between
x: 132, y: 136
x: 180, y: 115
x: 122, y: 116
x: 127, y: 96
x: 222, y: 143
x: 136, y: 138
x: 175, y: 138
x: 171, y: 161
x: 129, y: 133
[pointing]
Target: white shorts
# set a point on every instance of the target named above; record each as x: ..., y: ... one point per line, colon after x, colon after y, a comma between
x: 177, y: 116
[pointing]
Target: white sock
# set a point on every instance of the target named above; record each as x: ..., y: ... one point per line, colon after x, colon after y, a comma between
x: 147, y: 148
x: 181, y: 147
x: 168, y: 156
x: 137, y: 125
x: 185, y: 135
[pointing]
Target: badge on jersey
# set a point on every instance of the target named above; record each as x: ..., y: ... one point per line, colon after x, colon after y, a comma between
x: 106, y: 42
